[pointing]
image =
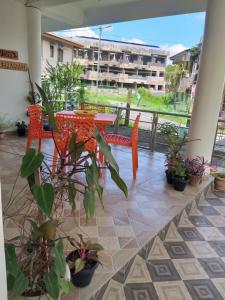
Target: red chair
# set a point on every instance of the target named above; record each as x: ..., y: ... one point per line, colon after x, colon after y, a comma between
x: 83, y: 126
x: 132, y: 142
x: 36, y: 130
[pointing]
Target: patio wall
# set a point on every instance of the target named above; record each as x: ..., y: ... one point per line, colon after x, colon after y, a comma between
x: 13, y: 36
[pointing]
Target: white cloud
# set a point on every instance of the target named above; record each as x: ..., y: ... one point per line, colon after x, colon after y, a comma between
x: 135, y: 40
x: 71, y: 33
x: 86, y: 31
x: 173, y: 49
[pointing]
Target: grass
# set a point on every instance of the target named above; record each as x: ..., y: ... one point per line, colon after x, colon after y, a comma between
x: 148, y: 102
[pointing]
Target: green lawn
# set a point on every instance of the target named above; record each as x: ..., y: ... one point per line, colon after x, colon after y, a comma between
x: 148, y: 102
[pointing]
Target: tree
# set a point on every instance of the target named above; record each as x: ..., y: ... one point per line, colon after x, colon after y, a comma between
x: 173, y: 75
x: 62, y: 82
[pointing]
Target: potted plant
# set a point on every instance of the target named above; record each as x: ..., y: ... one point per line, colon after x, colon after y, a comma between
x: 219, y: 181
x: 195, y: 170
x: 219, y: 176
x: 173, y: 155
x: 179, y: 176
x: 21, y: 128
x: 83, y: 261
x: 35, y: 259
x: 36, y: 264
x: 4, y: 124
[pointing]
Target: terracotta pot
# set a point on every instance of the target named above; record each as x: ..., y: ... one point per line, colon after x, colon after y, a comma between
x: 219, y: 184
x: 194, y: 180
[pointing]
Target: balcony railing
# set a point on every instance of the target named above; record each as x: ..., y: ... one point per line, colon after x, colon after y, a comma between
x: 149, y: 128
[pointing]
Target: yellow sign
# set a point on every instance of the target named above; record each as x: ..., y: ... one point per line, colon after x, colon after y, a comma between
x: 12, y: 65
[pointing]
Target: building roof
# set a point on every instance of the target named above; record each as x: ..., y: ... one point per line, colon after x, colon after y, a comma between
x: 120, y: 42
x: 65, y: 41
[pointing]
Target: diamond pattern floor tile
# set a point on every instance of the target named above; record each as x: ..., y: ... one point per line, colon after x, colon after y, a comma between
x: 186, y: 260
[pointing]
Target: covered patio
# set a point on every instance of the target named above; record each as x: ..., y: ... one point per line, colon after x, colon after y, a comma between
x: 126, y: 227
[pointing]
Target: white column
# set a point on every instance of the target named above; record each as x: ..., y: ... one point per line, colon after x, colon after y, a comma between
x: 210, y: 82
x: 34, y: 43
x: 3, y: 281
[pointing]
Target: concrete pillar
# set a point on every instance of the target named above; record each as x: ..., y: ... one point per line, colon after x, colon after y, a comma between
x: 209, y: 89
x: 34, y: 43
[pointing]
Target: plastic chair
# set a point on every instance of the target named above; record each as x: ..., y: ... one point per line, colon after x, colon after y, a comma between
x: 132, y: 142
x: 36, y: 131
x: 86, y: 106
x: 83, y: 126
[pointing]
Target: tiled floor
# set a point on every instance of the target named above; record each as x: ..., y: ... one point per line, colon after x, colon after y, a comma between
x: 126, y: 225
x: 184, y: 261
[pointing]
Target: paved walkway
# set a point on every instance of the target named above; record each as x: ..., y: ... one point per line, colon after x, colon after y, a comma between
x: 186, y: 260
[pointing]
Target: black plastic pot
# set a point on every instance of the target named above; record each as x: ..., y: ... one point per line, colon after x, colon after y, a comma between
x: 179, y: 183
x: 21, y: 131
x: 169, y: 177
x: 46, y: 125
x: 84, y: 277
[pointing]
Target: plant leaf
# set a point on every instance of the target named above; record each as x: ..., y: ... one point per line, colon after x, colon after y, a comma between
x: 48, y: 107
x: 118, y: 180
x: 20, y: 285
x: 44, y: 195
x: 59, y: 262
x: 89, y: 202
x: 31, y: 162
x: 52, y: 284
x: 79, y: 265
x: 106, y: 150
x: 12, y: 266
x: 72, y: 194
x: 95, y: 247
x: 65, y: 285
x: 31, y: 180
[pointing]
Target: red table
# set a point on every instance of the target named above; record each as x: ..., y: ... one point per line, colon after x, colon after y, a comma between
x: 101, y: 119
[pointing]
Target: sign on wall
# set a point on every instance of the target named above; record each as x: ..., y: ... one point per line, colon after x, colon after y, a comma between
x: 10, y: 54
x: 11, y: 65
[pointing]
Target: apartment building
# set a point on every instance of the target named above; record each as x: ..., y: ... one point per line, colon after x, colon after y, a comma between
x: 57, y: 49
x: 189, y: 59
x: 121, y: 64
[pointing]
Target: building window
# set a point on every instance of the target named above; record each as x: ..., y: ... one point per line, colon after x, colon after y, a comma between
x: 161, y: 74
x: 153, y: 73
x: 60, y: 55
x: 51, y: 51
x: 160, y: 87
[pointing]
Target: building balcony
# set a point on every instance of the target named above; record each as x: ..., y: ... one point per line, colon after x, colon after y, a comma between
x: 123, y: 64
x: 123, y: 78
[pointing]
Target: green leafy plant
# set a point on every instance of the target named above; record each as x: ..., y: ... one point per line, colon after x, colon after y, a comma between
x: 62, y: 82
x: 35, y: 263
x: 35, y: 259
x: 180, y: 169
x: 168, y: 128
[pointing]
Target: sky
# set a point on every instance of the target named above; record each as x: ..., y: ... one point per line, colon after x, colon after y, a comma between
x: 174, y: 33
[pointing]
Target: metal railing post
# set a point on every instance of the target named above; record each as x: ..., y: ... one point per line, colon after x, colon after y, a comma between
x: 154, y: 130
x: 117, y: 123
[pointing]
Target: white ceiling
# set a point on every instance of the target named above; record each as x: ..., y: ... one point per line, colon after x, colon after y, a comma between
x: 65, y: 14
